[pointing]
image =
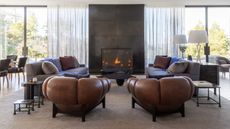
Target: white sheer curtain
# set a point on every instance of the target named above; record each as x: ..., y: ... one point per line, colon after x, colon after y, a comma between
x: 68, y: 32
x: 161, y: 24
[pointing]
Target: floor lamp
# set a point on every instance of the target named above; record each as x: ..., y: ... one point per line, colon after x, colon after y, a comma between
x: 198, y: 37
x: 181, y: 40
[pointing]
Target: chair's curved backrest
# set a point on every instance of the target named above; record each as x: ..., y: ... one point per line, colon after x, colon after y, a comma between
x: 175, y: 90
x: 12, y: 57
x: 4, y: 64
x: 22, y: 62
x: 71, y: 91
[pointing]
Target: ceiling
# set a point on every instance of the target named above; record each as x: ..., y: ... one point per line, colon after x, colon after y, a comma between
x: 151, y: 2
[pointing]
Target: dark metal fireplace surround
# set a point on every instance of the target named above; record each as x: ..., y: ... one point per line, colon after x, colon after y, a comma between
x: 117, y: 60
x: 119, y: 27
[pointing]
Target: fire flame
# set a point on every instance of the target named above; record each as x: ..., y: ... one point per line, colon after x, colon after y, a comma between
x: 117, y: 61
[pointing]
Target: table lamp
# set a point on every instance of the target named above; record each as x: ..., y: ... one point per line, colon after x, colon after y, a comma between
x: 181, y: 40
x: 198, y: 37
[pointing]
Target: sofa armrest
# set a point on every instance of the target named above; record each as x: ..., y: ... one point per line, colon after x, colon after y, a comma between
x: 33, y: 69
x: 193, y: 69
x: 150, y: 65
x: 82, y: 65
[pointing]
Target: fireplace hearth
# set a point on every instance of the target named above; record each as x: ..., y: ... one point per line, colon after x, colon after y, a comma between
x: 117, y: 60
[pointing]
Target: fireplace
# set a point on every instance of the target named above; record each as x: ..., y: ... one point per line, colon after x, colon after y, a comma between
x: 117, y: 60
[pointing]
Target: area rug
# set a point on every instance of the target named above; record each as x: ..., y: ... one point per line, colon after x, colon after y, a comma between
x: 118, y: 114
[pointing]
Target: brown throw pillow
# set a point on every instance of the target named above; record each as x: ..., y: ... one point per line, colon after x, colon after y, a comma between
x: 67, y: 62
x: 49, y: 68
x: 161, y: 62
x: 178, y: 67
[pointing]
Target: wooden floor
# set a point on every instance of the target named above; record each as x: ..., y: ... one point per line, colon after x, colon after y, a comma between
x: 15, y: 85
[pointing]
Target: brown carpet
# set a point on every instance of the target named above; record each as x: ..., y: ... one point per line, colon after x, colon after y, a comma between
x: 118, y: 114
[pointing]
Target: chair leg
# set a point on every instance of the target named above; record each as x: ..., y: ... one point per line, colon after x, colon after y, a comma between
x: 3, y: 80
x: 133, y: 102
x: 7, y: 81
x: 24, y: 78
x: 83, y: 113
x: 103, y: 102
x: 18, y: 78
x: 182, y: 110
x: 154, y: 114
x: 55, y: 111
x: 0, y: 83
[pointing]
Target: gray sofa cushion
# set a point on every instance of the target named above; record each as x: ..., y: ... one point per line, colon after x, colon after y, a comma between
x: 178, y: 67
x: 79, y: 70
x: 49, y: 68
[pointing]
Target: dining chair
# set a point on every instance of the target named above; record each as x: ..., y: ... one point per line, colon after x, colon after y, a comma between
x: 12, y: 57
x: 4, y: 65
x: 20, y: 68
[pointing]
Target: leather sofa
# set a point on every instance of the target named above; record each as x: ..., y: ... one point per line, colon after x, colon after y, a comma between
x: 75, y: 96
x: 166, y: 95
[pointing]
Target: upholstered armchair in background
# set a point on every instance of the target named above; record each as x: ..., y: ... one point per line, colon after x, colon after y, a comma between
x: 224, y: 64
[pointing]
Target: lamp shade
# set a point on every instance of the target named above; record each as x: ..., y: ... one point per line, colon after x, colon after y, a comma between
x: 180, y: 39
x: 198, y: 36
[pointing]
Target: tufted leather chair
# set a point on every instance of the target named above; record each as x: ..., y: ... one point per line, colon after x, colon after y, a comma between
x: 166, y: 95
x: 75, y: 96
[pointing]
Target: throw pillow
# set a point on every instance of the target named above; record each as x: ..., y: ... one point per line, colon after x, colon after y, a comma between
x: 57, y: 63
x: 67, y: 62
x: 174, y: 59
x: 49, y: 68
x: 178, y: 67
x: 161, y: 62
x: 76, y: 63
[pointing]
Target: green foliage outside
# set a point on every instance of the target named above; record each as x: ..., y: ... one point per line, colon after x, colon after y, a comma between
x: 36, y: 43
x: 218, y: 41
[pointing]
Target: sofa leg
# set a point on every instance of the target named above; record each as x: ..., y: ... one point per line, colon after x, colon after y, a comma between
x: 182, y: 110
x: 133, y: 102
x: 154, y: 114
x: 103, y: 102
x: 83, y: 113
x: 55, y: 111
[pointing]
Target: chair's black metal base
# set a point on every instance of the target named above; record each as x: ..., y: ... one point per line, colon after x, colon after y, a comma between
x: 155, y: 112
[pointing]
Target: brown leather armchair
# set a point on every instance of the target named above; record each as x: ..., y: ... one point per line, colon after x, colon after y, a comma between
x: 73, y: 96
x: 166, y: 95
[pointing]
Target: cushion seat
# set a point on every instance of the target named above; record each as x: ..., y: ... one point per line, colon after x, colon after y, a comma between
x: 157, y: 73
x: 76, y: 75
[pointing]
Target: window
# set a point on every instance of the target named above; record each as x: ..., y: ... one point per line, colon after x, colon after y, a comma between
x: 37, y: 32
x: 219, y: 30
x: 218, y: 27
x: 194, y: 20
x: 12, y: 25
x: 11, y: 31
